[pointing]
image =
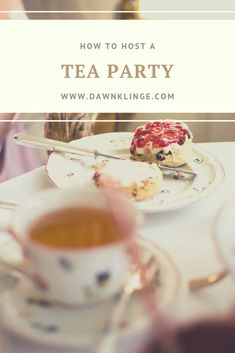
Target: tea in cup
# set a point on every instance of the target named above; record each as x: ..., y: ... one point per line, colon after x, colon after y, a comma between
x: 76, y: 249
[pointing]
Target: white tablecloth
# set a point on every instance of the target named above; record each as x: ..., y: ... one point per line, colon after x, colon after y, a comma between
x: 185, y: 234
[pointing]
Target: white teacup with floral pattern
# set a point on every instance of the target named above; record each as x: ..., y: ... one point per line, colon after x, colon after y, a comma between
x: 75, y: 276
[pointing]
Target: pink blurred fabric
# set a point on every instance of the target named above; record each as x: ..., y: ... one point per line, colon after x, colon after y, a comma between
x: 17, y: 160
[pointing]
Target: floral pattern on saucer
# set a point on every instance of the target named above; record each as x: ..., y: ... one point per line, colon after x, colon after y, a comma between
x: 178, y: 189
x: 26, y: 314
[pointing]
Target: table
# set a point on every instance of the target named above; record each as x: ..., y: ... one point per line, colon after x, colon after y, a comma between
x: 185, y: 234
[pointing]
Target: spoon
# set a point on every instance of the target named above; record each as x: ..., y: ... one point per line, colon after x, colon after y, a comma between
x: 206, y: 281
x: 108, y: 337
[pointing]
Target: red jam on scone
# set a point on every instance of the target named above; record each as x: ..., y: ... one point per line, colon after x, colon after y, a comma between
x: 166, y: 142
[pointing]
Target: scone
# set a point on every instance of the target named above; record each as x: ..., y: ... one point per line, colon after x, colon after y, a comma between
x: 136, y: 180
x: 166, y: 142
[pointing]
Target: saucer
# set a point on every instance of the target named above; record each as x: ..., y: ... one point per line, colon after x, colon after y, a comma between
x: 24, y: 314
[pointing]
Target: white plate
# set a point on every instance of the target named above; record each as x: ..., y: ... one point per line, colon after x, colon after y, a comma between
x: 78, y: 328
x: 174, y: 193
x: 224, y: 234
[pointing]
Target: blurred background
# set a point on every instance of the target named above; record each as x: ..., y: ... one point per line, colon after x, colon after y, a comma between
x: 213, y: 130
x: 115, y: 5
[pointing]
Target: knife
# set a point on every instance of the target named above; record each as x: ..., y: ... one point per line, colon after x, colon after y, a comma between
x: 64, y: 147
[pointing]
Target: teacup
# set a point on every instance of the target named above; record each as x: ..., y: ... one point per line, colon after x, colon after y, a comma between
x: 72, y: 274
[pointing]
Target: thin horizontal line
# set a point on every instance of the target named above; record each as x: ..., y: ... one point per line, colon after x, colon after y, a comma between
x: 114, y: 121
x: 116, y: 11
